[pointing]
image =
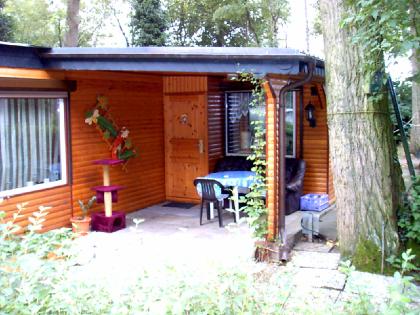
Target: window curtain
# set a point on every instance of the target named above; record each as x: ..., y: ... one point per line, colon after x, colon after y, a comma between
x: 29, y: 141
x: 238, y: 128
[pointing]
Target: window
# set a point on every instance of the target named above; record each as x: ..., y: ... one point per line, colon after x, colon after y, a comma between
x: 32, y: 141
x: 290, y: 124
x: 239, y: 118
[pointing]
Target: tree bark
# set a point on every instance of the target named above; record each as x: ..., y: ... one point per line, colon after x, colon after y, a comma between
x: 71, y: 38
x: 367, y: 176
x: 415, y: 96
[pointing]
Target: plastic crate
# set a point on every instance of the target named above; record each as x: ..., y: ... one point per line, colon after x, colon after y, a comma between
x: 314, y: 202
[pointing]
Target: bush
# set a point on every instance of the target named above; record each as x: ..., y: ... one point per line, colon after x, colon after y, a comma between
x: 38, y: 274
x: 409, y: 217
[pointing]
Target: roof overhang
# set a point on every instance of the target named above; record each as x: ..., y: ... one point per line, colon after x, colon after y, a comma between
x: 159, y: 59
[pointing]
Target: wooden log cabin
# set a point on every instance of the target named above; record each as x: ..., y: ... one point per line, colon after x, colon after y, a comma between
x: 148, y: 90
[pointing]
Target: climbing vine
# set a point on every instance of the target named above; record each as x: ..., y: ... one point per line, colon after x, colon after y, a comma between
x: 254, y: 201
x: 383, y: 26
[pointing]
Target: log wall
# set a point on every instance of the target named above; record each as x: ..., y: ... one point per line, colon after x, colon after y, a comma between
x: 315, y: 144
x: 136, y: 102
x: 138, y: 105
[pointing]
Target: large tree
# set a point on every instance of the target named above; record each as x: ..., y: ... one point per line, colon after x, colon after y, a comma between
x: 226, y: 23
x: 367, y: 176
x: 148, y: 23
x: 414, y: 19
x: 36, y: 22
x: 71, y: 38
x: 6, y: 32
x: 43, y: 22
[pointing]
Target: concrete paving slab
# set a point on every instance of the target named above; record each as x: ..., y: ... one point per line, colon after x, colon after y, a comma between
x: 313, y: 247
x: 308, y: 300
x: 319, y: 278
x: 315, y: 259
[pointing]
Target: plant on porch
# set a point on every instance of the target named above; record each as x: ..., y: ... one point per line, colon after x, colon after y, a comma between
x: 81, y: 224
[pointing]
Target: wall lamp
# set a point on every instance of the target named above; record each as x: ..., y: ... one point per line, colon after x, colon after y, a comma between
x: 310, y: 115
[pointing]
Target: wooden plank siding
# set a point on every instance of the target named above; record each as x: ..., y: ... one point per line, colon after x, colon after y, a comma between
x: 137, y: 105
x: 271, y: 153
x: 215, y: 121
x: 315, y: 145
x: 184, y: 84
x: 136, y: 101
x: 58, y: 198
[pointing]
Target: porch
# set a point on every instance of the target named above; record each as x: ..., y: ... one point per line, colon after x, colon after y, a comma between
x: 174, y: 235
x: 184, y: 114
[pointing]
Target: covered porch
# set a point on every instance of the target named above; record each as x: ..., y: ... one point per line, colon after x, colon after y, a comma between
x: 175, y: 103
x: 174, y: 235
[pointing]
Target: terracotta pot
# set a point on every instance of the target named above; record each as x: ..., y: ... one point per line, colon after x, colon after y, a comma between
x: 80, y: 225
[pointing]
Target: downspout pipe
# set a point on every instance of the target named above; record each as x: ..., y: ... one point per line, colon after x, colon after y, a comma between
x: 281, y: 154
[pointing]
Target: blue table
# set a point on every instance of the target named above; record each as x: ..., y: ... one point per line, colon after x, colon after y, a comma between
x: 234, y: 179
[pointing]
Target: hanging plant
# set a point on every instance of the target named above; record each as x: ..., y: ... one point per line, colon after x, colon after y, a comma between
x: 119, y: 143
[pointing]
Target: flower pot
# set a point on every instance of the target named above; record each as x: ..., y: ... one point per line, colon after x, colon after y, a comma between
x: 81, y: 226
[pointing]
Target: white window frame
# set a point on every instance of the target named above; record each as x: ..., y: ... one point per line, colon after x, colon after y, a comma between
x: 63, y: 96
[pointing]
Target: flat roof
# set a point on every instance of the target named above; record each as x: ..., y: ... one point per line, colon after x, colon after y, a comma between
x: 160, y: 59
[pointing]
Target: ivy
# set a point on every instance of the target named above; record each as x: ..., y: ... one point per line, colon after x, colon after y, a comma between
x: 255, y: 206
x: 381, y: 27
x: 409, y: 215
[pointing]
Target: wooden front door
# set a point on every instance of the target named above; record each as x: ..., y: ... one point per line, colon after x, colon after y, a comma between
x: 186, y: 155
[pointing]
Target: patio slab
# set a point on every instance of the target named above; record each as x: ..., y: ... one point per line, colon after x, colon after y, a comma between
x: 308, y: 259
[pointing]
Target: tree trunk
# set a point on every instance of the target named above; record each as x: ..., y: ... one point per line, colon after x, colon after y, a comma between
x: 367, y: 176
x: 71, y: 38
x: 415, y: 104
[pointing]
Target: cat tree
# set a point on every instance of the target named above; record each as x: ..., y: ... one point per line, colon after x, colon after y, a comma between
x: 108, y: 221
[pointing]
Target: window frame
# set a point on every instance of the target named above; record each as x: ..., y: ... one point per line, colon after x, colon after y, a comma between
x: 227, y: 126
x: 63, y: 106
x: 294, y: 97
x: 227, y: 153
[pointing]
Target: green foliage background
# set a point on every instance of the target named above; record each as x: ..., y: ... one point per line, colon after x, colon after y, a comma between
x: 225, y: 23
x: 5, y: 24
x: 148, y: 23
x: 151, y: 22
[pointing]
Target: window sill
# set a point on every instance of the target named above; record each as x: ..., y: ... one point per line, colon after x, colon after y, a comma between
x: 29, y: 189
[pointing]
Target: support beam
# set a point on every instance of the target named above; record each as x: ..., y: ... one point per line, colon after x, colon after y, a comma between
x: 272, y: 88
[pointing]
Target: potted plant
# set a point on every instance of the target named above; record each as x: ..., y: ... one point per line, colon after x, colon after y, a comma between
x: 81, y: 225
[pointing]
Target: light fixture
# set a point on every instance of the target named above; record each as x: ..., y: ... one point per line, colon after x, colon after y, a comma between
x: 310, y: 115
x: 232, y: 76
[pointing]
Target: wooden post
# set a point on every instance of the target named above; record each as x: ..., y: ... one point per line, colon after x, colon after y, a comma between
x: 270, y: 89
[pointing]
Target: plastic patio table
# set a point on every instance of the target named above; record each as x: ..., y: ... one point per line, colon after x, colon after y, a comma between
x: 234, y: 180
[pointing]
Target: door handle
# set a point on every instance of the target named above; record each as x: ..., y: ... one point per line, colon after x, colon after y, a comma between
x: 200, y: 146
